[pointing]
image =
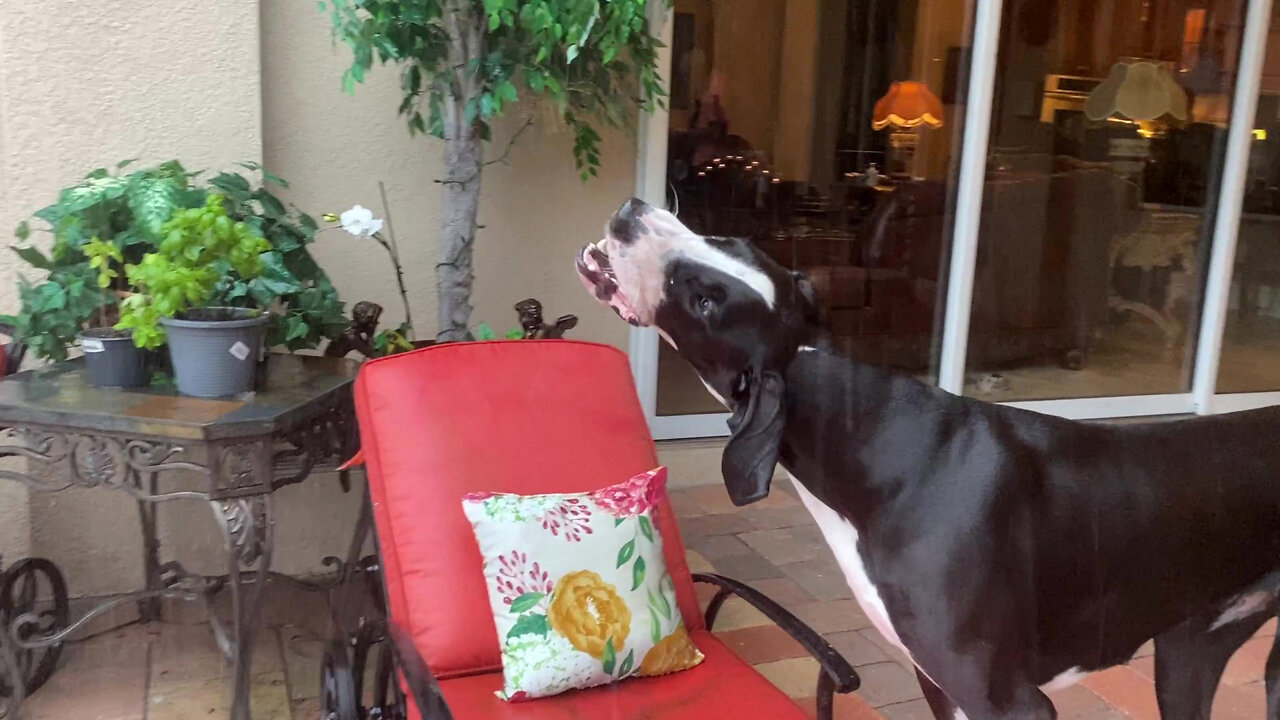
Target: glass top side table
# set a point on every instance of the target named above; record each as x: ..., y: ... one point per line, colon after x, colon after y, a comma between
x: 242, y: 449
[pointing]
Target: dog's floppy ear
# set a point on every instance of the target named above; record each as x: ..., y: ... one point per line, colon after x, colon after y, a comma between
x: 757, y: 426
x: 810, y: 308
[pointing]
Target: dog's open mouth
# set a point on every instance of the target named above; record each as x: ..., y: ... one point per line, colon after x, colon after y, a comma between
x: 598, y: 275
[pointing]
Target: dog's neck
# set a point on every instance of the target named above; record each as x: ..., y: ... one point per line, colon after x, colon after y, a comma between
x: 842, y: 418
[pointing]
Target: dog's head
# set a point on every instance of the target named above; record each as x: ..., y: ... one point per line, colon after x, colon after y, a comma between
x: 734, y: 314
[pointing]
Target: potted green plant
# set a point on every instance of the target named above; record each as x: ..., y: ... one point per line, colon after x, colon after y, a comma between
x: 126, y: 208
x: 112, y: 358
x: 214, y: 350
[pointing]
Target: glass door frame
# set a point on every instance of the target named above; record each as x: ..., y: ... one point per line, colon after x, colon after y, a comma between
x: 1202, y: 399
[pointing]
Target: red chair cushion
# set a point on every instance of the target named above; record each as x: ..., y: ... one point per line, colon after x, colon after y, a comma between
x: 723, y: 686
x: 510, y: 416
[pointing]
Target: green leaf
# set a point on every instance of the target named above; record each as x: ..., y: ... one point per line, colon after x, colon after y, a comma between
x: 237, y: 290
x: 275, y: 277
x: 618, y: 521
x: 646, y: 527
x: 526, y: 601
x: 152, y: 202
x: 308, y: 224
x: 610, y: 657
x: 531, y: 624
x: 271, y: 205
x: 637, y: 573
x: 514, y: 334
x: 296, y: 328
x: 625, y: 553
x: 92, y: 191
x: 655, y: 628
x: 483, y: 332
x: 33, y: 257
x: 23, y: 231
x: 507, y: 92
x: 233, y: 185
x: 627, y: 663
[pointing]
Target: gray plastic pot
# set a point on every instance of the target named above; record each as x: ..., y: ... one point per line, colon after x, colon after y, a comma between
x: 215, y: 351
x: 112, y: 358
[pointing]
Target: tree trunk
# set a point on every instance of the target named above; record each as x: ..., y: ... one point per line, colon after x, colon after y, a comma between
x: 454, y: 275
x: 463, y: 162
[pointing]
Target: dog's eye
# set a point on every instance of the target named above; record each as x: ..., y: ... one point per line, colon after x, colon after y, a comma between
x: 705, y: 304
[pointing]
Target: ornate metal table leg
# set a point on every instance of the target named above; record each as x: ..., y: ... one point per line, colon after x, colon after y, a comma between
x: 247, y: 527
x: 340, y: 594
x: 149, y: 609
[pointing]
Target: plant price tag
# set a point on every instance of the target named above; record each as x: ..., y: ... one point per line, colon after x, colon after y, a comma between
x: 91, y: 345
x: 239, y: 350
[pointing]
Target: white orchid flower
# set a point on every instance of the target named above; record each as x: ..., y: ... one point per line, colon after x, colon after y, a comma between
x: 360, y: 222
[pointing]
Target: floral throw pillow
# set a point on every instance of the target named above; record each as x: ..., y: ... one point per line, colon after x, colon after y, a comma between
x: 579, y: 588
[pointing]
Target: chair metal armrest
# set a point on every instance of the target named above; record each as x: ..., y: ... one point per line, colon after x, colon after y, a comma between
x: 422, y: 683
x: 836, y: 670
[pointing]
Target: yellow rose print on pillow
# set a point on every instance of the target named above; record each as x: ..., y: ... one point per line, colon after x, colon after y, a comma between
x: 588, y: 612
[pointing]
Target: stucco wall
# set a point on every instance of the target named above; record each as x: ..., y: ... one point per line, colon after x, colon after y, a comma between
x: 84, y: 85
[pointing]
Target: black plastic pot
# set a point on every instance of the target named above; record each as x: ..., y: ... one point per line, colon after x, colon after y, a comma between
x: 215, y: 351
x: 112, y: 358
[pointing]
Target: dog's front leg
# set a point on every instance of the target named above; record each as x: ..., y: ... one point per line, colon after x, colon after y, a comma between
x: 972, y: 653
x: 939, y: 703
x: 985, y: 696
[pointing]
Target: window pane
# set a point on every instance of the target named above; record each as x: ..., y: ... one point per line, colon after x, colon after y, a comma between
x: 823, y: 130
x: 1108, y: 128
x: 1251, y: 344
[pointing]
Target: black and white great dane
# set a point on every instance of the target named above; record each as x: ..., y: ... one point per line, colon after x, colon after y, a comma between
x: 1005, y: 551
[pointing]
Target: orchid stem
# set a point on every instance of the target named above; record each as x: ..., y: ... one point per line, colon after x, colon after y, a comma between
x: 394, y: 251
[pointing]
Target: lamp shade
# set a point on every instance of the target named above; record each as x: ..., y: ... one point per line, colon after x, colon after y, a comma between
x: 908, y: 104
x: 1139, y: 91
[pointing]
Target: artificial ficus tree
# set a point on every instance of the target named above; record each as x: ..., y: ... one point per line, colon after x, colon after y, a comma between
x: 463, y: 63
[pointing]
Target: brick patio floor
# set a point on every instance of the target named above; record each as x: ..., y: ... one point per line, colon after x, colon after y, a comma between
x: 171, y: 670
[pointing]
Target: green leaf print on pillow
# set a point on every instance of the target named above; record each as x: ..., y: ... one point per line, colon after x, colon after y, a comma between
x: 527, y: 601
x: 637, y: 573
x: 609, y: 658
x: 531, y: 624
x: 626, y: 552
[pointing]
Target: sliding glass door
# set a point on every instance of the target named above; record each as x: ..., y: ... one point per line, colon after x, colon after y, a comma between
x: 1022, y: 201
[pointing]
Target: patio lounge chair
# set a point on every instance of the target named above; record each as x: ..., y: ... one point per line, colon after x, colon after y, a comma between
x: 526, y: 417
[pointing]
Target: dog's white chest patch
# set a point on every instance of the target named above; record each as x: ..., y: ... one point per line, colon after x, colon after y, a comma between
x: 842, y: 538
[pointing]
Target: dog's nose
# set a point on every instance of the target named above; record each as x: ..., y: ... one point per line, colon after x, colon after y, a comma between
x: 625, y: 226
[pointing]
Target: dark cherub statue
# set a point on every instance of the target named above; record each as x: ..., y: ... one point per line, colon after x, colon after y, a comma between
x: 360, y: 333
x: 530, y: 312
